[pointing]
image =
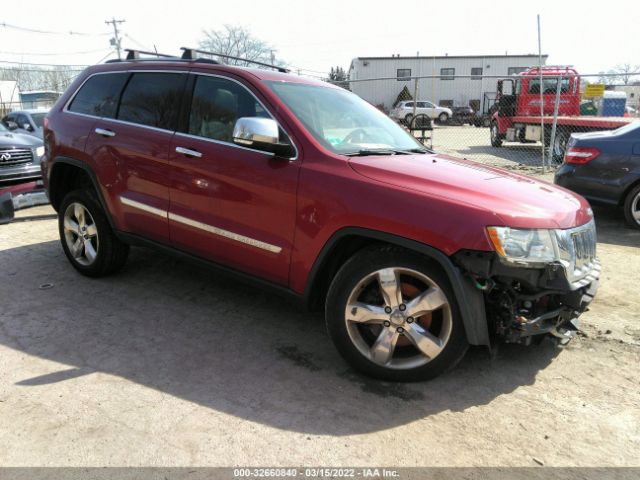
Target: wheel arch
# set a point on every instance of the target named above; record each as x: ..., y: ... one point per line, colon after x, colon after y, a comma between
x: 627, y: 191
x: 69, y: 174
x: 349, y: 240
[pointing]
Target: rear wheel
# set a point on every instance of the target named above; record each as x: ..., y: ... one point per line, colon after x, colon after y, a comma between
x: 87, y: 239
x: 560, y: 144
x: 496, y: 138
x: 392, y: 315
x: 632, y: 207
x: 407, y: 119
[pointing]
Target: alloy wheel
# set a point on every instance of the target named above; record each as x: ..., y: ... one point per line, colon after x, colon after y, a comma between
x: 635, y: 208
x: 81, y: 234
x: 398, y: 318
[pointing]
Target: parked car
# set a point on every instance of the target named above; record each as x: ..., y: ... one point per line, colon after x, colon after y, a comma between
x: 604, y: 167
x: 20, y: 156
x: 403, y: 111
x: 462, y: 115
x: 25, y: 121
x: 306, y: 189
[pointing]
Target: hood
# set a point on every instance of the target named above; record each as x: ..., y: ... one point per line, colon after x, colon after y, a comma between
x: 518, y: 201
x: 19, y: 140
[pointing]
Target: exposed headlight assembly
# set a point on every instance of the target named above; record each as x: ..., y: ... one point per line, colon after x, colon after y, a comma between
x: 523, y: 246
x: 40, y: 151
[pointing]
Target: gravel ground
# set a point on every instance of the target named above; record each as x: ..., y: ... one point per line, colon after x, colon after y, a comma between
x: 166, y: 364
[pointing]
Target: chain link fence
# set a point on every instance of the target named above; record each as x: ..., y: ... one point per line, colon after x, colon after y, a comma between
x: 505, y: 120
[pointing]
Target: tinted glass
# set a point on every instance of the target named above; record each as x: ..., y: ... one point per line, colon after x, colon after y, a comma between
x: 217, y: 104
x: 99, y: 95
x: 152, y: 99
x: 38, y: 119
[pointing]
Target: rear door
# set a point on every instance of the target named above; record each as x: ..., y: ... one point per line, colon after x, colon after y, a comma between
x: 230, y: 204
x: 131, y: 148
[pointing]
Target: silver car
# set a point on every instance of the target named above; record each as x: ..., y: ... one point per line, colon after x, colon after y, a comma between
x: 404, y: 111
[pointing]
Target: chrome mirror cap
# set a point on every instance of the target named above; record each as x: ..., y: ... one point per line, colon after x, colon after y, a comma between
x: 252, y: 130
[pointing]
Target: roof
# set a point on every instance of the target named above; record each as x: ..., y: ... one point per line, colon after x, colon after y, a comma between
x: 257, y: 73
x: 437, y: 57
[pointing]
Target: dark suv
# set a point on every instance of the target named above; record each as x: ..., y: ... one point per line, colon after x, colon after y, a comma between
x: 312, y: 192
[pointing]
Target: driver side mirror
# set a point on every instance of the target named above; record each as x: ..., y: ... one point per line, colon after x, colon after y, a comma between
x: 27, y: 127
x: 11, y: 125
x: 262, y: 134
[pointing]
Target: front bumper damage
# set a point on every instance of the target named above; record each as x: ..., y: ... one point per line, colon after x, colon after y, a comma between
x: 525, y: 303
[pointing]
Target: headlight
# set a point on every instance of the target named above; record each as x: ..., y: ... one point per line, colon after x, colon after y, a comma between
x: 524, y: 247
x: 40, y: 151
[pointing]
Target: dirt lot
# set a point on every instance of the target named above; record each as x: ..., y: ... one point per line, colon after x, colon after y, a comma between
x: 168, y: 364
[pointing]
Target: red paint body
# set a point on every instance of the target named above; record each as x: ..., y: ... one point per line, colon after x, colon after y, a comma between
x: 527, y: 111
x: 296, y: 205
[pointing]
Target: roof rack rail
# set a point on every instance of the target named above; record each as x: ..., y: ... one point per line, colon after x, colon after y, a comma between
x: 135, y: 54
x: 190, y: 54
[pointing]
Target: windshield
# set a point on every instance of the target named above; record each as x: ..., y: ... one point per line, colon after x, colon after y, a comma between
x: 342, y: 121
x: 38, y: 119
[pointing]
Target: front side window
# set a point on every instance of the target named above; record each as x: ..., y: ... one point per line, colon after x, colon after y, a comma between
x: 38, y: 119
x: 403, y: 74
x: 152, y: 99
x: 341, y: 121
x: 447, y: 73
x: 217, y: 104
x: 99, y: 95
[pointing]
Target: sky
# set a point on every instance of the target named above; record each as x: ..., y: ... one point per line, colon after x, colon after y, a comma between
x: 314, y: 36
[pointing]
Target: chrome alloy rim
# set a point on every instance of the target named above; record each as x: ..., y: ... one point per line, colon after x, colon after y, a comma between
x: 398, y: 318
x: 81, y: 234
x: 635, y: 208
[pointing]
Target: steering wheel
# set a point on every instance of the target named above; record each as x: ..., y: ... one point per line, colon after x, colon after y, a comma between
x: 359, y: 135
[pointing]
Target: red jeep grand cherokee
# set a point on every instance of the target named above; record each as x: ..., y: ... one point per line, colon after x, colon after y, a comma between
x: 311, y: 191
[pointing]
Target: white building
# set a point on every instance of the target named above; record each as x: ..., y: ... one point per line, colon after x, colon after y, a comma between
x: 455, y: 80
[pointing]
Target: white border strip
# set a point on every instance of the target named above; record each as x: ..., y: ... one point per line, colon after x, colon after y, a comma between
x: 144, y: 207
x: 202, y: 226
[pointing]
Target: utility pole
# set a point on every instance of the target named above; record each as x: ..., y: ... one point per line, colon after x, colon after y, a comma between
x: 115, y: 41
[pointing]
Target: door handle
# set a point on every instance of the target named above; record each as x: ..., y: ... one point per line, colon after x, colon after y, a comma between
x: 105, y: 133
x: 188, y: 152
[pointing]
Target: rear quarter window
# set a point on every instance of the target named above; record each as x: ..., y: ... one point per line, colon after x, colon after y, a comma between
x: 99, y: 95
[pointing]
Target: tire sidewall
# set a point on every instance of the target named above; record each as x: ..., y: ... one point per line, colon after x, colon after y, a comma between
x: 104, y: 231
x: 361, y: 265
x: 628, y: 206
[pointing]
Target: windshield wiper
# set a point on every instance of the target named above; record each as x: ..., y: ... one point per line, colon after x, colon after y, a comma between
x: 376, y: 151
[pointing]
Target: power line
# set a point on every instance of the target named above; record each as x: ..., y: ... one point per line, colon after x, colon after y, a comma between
x: 49, y: 32
x: 116, y: 40
x: 52, y: 54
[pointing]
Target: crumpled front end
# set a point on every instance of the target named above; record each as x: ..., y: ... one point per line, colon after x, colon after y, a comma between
x: 524, y: 301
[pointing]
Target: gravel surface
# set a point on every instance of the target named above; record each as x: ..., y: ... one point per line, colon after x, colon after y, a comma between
x: 167, y: 364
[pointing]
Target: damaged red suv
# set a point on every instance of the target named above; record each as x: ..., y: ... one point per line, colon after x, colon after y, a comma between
x: 310, y: 191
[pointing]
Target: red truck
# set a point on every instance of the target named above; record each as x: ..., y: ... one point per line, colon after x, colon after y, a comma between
x: 518, y: 119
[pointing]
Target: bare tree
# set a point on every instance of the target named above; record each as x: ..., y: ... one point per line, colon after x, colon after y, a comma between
x: 626, y: 71
x: 237, y: 41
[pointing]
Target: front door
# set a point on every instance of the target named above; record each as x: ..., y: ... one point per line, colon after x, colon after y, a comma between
x: 230, y: 204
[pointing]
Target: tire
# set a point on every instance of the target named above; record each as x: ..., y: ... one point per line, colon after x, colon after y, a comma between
x: 407, y: 119
x: 559, y: 144
x: 380, y: 321
x: 496, y: 138
x: 84, y: 229
x: 443, y: 117
x: 632, y: 207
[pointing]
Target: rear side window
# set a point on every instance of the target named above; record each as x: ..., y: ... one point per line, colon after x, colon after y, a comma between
x: 152, y: 99
x: 99, y: 95
x: 217, y: 104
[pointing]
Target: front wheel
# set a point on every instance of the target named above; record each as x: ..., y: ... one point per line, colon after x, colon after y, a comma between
x: 632, y: 207
x: 496, y: 139
x: 392, y: 315
x: 443, y: 117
